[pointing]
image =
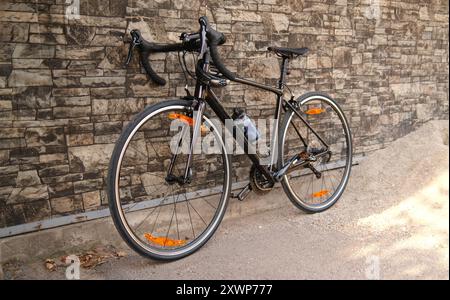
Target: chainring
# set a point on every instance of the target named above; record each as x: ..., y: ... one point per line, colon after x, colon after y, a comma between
x: 258, y: 183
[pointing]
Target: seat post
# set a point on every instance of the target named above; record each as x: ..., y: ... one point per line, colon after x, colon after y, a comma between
x: 283, y: 68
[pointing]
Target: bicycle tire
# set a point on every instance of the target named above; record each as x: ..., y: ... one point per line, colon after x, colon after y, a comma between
x: 299, y: 203
x: 114, y: 200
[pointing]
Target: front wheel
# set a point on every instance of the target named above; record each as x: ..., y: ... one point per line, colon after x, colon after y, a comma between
x: 324, y: 148
x: 156, y: 212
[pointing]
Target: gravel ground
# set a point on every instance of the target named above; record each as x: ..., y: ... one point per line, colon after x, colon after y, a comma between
x: 391, y: 223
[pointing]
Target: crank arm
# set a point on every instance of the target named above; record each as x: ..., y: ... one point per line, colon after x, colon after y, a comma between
x: 314, y: 170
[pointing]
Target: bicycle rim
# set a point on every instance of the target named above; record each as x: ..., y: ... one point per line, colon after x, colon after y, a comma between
x: 304, y: 188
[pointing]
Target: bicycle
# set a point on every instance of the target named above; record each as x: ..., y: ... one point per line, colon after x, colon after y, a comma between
x: 167, y: 203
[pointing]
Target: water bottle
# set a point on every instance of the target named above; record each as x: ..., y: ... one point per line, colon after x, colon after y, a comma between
x: 242, y: 121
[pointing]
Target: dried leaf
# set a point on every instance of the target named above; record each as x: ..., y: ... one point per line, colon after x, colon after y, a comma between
x: 50, y: 264
x: 121, y: 254
x: 89, y: 264
x: 90, y: 261
x: 97, y: 256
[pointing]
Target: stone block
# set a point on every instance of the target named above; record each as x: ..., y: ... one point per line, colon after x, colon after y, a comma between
x: 91, y: 200
x: 90, y: 158
x: 116, y: 106
x: 102, y: 81
x: 54, y: 171
x: 71, y: 111
x: 30, y: 77
x: 33, y: 51
x: 80, y: 139
x: 14, y: 32
x: 42, y: 136
x: 64, y: 205
x: 87, y: 185
x: 342, y: 57
x: 27, y: 178
x: 28, y: 194
x: 60, y: 189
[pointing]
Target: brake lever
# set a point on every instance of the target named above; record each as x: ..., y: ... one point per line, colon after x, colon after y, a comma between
x: 202, y: 37
x: 130, y: 54
x: 134, y: 42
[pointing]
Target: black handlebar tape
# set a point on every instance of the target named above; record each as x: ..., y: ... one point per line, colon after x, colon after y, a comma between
x: 146, y: 48
x: 218, y: 63
x: 216, y: 38
x: 151, y: 73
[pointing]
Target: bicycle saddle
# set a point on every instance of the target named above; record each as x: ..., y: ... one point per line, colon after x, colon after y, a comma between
x: 289, y: 52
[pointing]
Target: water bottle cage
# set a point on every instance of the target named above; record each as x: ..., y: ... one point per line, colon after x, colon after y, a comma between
x: 209, y: 79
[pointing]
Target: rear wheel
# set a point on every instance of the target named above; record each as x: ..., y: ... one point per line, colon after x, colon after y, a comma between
x: 158, y: 214
x: 320, y: 181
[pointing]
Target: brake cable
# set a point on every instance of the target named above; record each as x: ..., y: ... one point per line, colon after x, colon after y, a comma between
x: 185, y: 64
x: 184, y: 69
x: 182, y: 66
x: 289, y: 90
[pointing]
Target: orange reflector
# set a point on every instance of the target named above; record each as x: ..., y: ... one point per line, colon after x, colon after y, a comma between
x: 320, y: 193
x: 163, y: 241
x: 184, y: 118
x: 314, y: 111
x: 187, y: 120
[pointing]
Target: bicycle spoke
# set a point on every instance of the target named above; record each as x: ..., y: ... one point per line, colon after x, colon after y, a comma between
x: 176, y: 216
x: 190, y: 217
x: 159, y: 211
x: 149, y: 214
x: 129, y: 208
x: 171, y: 219
x: 209, y: 203
x: 197, y: 212
x: 327, y: 172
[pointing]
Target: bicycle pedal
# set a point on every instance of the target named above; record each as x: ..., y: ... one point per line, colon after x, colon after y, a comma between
x: 243, y: 193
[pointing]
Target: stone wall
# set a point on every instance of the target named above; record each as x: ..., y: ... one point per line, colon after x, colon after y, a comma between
x: 65, y: 95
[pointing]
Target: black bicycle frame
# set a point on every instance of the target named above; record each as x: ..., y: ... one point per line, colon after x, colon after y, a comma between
x: 213, y: 102
x: 203, y: 93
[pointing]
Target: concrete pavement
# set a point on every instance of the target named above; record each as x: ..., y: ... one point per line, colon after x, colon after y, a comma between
x: 391, y: 223
x: 287, y: 244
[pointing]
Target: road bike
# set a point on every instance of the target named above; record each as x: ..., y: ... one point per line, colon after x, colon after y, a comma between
x: 168, y: 191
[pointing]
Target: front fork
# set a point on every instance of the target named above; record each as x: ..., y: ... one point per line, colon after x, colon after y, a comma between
x: 197, y: 117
